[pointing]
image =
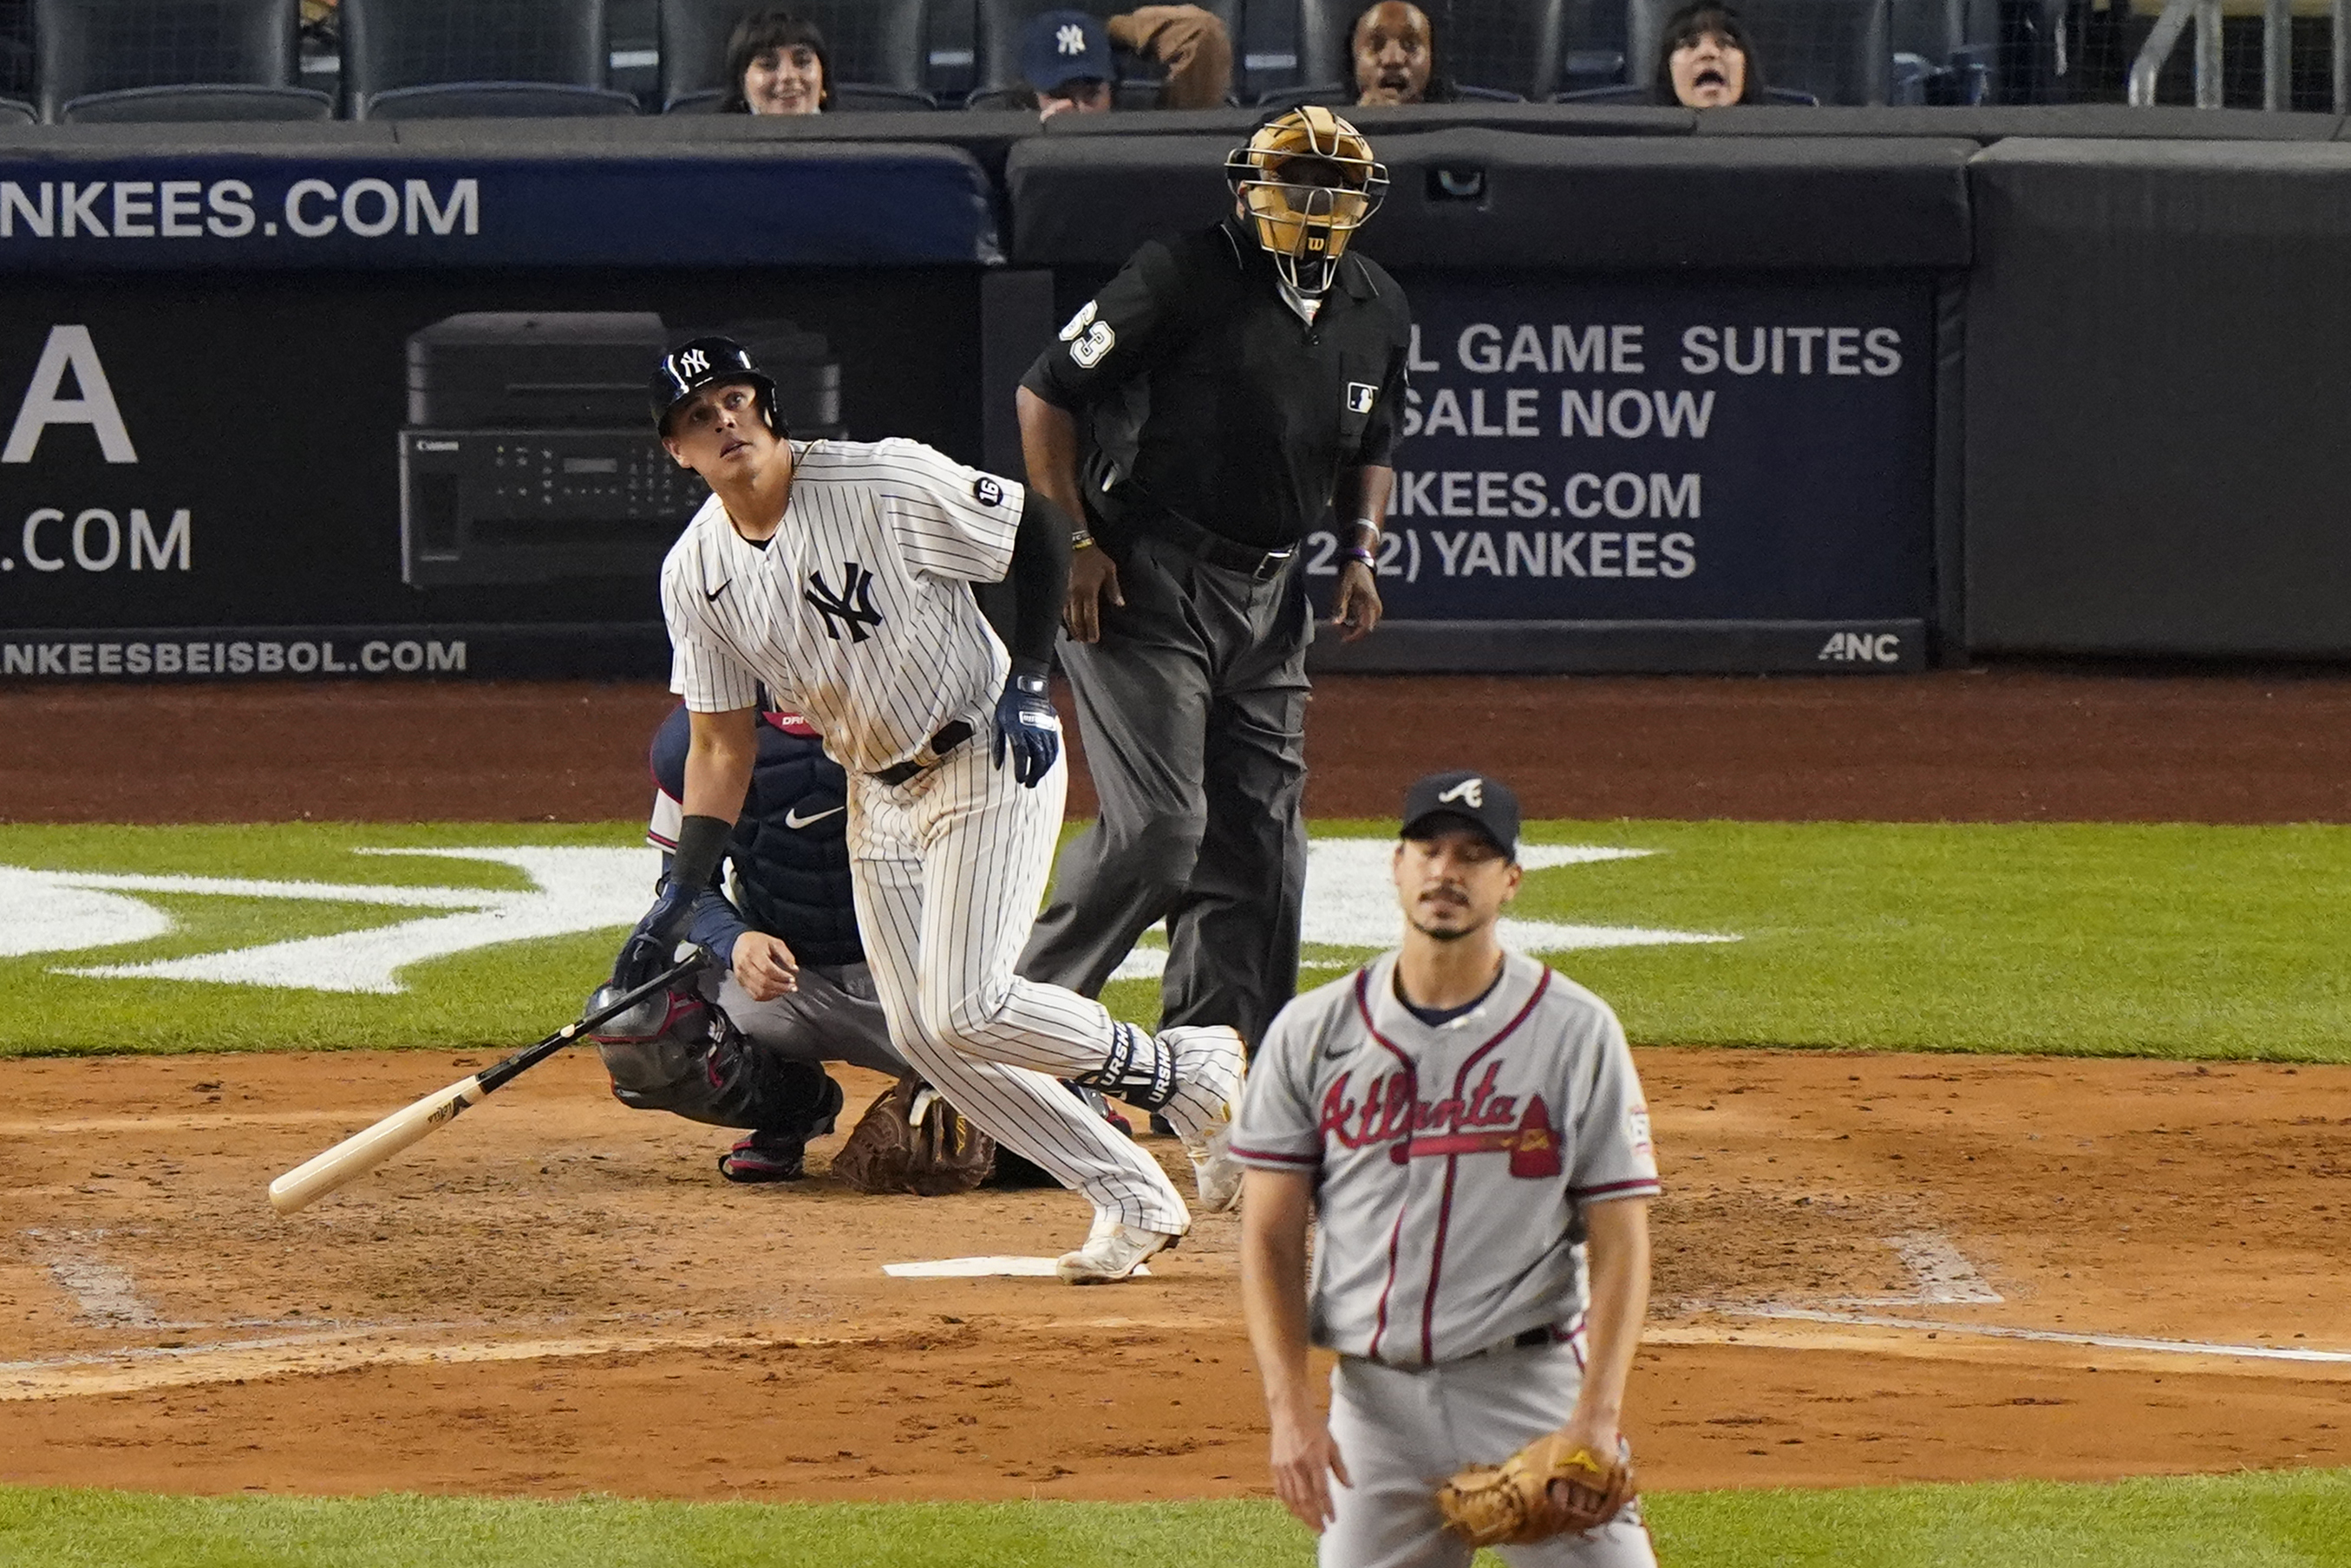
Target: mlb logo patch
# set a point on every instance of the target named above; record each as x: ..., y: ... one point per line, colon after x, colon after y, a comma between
x: 987, y: 491
x: 1360, y: 395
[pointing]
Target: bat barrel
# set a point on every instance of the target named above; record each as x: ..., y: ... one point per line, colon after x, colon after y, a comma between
x: 363, y: 1150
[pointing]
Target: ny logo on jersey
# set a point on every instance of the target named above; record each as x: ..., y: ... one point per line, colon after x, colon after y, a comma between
x: 852, y: 607
x: 1470, y: 792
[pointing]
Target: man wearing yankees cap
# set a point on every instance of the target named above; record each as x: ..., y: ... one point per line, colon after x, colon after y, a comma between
x: 1466, y: 1129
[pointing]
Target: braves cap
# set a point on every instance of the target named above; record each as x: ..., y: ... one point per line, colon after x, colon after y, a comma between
x: 1063, y: 46
x: 1486, y: 804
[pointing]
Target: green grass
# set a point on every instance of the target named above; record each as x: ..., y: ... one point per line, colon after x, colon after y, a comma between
x: 2176, y: 941
x: 2254, y: 1521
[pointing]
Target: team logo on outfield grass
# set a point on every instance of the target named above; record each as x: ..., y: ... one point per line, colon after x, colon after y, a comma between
x: 576, y: 889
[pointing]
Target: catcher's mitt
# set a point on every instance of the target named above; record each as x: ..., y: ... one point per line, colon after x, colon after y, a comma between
x: 911, y: 1140
x: 1547, y: 1487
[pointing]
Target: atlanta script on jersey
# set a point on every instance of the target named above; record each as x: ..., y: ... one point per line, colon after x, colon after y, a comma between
x: 1452, y: 1163
x: 856, y: 612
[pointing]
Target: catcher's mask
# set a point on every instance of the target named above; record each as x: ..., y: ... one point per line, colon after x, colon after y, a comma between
x: 1306, y: 182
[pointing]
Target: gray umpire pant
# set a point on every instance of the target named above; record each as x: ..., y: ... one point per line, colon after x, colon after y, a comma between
x: 1193, y: 706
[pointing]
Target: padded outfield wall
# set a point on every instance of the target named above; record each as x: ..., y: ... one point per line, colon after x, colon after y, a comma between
x: 1768, y: 390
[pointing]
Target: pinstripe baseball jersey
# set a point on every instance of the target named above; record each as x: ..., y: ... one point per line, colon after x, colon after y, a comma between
x: 856, y: 614
x: 1452, y: 1162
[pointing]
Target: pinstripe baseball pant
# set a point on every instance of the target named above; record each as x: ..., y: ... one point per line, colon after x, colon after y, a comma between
x: 948, y: 870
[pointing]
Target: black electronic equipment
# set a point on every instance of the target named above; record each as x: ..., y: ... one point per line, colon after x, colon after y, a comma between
x: 529, y: 455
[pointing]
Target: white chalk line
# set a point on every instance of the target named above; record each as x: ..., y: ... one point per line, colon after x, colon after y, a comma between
x: 2042, y: 1336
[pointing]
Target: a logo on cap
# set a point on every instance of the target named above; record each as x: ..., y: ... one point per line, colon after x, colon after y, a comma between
x: 1070, y: 39
x: 1470, y: 792
x: 694, y: 360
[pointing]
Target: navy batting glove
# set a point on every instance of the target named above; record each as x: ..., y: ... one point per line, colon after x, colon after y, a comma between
x: 1028, y: 728
x: 647, y: 951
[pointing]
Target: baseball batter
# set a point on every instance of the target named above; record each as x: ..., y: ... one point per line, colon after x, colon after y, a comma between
x: 1465, y: 1126
x: 839, y: 573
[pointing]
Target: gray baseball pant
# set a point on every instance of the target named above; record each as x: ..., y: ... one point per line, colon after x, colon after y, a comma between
x: 1402, y: 1432
x: 1193, y: 706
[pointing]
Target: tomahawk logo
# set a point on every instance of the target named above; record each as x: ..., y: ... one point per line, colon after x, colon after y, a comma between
x: 852, y: 607
x: 1470, y: 792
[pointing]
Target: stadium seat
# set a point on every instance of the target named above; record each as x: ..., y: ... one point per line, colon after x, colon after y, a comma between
x: 1511, y: 49
x: 1000, y: 21
x: 1837, y: 51
x: 17, y: 112
x: 1789, y: 97
x: 876, y: 48
x: 118, y: 60
x: 460, y: 58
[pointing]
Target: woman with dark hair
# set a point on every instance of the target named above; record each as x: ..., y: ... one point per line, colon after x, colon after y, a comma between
x: 777, y: 64
x: 1704, y: 59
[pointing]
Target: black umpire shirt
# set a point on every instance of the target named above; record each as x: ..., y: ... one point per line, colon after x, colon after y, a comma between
x: 1214, y: 401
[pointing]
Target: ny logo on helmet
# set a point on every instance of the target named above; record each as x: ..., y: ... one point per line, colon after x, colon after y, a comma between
x: 694, y: 362
x: 1470, y: 791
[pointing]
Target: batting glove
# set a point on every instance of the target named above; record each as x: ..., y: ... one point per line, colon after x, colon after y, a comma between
x: 647, y: 951
x: 1028, y: 728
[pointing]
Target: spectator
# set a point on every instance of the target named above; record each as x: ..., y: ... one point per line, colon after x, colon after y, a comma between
x: 1066, y: 57
x: 1393, y: 47
x: 1705, y: 61
x: 777, y: 64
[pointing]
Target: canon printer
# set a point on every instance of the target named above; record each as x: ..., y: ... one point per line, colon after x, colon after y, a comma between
x: 529, y: 455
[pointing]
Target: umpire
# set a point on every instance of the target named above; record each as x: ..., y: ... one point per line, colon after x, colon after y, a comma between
x: 1222, y: 397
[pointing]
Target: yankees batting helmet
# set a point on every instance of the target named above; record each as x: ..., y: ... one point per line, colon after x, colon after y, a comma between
x: 1307, y: 181
x: 708, y: 363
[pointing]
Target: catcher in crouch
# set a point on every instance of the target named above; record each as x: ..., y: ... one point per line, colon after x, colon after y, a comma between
x: 1468, y: 1130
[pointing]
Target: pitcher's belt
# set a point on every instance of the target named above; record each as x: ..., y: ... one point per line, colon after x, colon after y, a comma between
x: 946, y: 740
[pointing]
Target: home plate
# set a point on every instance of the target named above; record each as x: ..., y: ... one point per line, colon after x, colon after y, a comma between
x: 976, y: 1267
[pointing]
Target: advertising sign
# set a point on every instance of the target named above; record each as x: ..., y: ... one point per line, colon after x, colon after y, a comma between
x: 390, y: 474
x: 1666, y: 452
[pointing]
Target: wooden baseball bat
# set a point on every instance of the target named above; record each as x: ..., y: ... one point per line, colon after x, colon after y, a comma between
x: 363, y: 1150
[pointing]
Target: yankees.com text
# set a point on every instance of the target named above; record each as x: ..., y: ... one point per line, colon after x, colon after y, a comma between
x: 232, y: 209
x: 379, y: 657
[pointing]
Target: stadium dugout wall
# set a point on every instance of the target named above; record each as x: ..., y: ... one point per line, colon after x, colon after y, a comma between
x: 1770, y: 390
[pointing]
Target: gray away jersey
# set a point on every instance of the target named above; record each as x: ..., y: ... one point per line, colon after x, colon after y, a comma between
x: 856, y: 614
x: 1452, y: 1163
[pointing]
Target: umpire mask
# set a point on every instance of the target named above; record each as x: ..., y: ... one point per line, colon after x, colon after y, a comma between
x: 1306, y: 182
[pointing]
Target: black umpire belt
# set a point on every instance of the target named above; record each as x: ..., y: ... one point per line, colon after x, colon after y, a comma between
x: 946, y: 740
x: 1194, y: 541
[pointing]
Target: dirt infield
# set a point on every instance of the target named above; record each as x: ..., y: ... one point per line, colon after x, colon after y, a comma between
x: 1870, y: 1267
x: 1996, y: 745
x: 556, y: 1294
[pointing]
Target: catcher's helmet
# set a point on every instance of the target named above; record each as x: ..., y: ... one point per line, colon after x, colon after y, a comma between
x: 1307, y: 181
x: 708, y: 363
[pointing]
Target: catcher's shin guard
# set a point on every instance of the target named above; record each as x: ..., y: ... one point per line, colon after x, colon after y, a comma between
x: 1139, y: 1070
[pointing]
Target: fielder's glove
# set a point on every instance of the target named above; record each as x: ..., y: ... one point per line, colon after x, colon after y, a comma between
x: 1027, y: 727
x: 1547, y: 1487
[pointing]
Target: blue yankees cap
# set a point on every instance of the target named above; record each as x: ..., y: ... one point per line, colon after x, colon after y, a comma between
x: 1484, y: 803
x: 1062, y: 46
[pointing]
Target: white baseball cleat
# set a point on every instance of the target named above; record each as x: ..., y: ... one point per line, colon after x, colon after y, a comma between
x: 1113, y: 1251
x: 1211, y: 1068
